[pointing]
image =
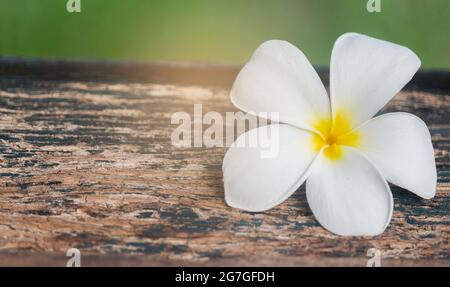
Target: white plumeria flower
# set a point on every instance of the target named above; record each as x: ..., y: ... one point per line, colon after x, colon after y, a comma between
x: 333, y: 143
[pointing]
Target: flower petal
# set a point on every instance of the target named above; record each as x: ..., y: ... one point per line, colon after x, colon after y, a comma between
x: 254, y: 183
x: 279, y: 78
x: 349, y: 196
x: 399, y: 144
x: 365, y: 73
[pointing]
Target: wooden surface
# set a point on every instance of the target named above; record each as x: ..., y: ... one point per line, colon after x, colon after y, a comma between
x: 86, y: 161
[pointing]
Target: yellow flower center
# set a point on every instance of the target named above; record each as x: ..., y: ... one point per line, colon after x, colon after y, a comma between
x: 333, y: 135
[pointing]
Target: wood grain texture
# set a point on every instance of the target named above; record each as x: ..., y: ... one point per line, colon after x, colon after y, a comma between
x: 86, y: 161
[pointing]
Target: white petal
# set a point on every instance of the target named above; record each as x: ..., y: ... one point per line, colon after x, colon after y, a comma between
x: 279, y: 78
x: 399, y: 144
x: 349, y: 196
x: 254, y: 183
x: 365, y: 73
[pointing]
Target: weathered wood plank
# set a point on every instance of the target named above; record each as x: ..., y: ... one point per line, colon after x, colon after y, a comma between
x: 86, y: 161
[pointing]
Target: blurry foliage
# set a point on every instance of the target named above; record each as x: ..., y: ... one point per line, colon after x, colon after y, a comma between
x: 216, y: 31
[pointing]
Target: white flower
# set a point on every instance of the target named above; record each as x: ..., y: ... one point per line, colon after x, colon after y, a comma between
x: 333, y: 143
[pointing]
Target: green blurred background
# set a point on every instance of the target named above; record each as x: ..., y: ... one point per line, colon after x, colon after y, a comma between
x: 213, y: 31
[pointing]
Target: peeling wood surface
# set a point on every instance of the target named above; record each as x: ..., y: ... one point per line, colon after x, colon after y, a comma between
x: 86, y: 161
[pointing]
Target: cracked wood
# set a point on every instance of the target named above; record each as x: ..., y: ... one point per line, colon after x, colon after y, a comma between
x: 86, y: 161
